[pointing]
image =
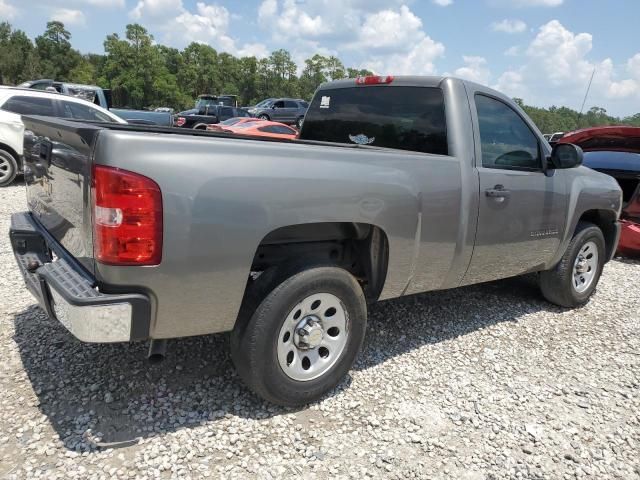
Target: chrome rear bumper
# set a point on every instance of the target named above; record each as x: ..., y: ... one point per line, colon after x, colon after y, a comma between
x: 70, y: 294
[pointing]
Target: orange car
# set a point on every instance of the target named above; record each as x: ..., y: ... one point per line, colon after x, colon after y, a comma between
x: 231, y: 122
x: 263, y: 128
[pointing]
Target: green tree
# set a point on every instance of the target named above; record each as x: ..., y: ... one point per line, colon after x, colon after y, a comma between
x: 136, y: 71
x: 18, y: 59
x: 57, y: 58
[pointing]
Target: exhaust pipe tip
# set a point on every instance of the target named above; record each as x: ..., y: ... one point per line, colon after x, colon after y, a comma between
x: 157, y: 351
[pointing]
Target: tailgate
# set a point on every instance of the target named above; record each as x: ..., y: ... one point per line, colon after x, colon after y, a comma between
x: 58, y: 156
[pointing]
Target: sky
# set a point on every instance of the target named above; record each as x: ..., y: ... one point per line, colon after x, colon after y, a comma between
x: 544, y: 51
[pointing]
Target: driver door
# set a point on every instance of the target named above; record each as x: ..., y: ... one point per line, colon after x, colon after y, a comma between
x: 278, y: 111
x: 522, y: 210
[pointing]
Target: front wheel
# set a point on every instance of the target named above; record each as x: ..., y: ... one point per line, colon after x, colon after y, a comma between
x: 572, y: 282
x: 303, y: 337
x: 264, y: 117
x: 8, y: 168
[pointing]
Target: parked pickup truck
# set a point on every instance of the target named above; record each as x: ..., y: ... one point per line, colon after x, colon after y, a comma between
x: 207, y: 114
x: 102, y: 97
x: 398, y: 186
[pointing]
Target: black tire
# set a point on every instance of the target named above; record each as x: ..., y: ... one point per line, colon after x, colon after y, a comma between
x: 254, y: 340
x: 8, y: 168
x: 264, y: 116
x: 557, y: 284
x: 200, y: 126
x: 299, y: 123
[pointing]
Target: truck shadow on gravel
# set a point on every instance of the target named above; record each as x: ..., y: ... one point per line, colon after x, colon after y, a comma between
x: 99, y: 396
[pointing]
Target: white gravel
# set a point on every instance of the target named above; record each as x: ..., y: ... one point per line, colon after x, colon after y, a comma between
x: 486, y: 382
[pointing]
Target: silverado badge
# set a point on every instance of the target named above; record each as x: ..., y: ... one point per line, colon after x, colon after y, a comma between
x: 362, y: 139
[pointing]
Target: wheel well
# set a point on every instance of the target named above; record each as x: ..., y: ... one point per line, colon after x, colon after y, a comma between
x: 605, y: 220
x: 6, y: 147
x: 360, y: 248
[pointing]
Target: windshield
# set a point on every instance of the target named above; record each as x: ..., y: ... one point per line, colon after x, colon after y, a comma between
x: 235, y: 120
x: 265, y: 103
x: 205, y: 103
x: 246, y: 125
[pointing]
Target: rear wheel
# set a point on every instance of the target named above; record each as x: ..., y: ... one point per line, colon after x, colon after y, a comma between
x: 299, y: 123
x: 303, y: 337
x: 572, y: 282
x: 200, y: 126
x: 8, y: 168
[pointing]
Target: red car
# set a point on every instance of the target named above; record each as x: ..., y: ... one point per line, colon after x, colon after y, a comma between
x: 232, y: 122
x: 616, y: 152
x: 264, y: 128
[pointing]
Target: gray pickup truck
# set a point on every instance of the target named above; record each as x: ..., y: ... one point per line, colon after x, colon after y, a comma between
x: 397, y: 186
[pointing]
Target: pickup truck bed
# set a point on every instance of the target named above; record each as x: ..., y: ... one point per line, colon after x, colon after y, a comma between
x: 235, y: 234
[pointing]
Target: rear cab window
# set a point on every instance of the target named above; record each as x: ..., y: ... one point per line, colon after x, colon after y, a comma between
x: 405, y: 118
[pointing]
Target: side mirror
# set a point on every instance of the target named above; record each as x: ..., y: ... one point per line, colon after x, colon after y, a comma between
x: 566, y: 155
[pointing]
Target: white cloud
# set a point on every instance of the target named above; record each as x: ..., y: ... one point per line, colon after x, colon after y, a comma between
x: 557, y: 69
x: 384, y: 35
x: 153, y: 10
x: 68, y: 16
x: 390, y: 29
x: 562, y: 54
x: 419, y: 60
x: 7, y: 11
x: 208, y: 24
x: 396, y: 43
x: 509, y: 26
x: 513, y: 51
x: 633, y: 66
x: 442, y: 3
x: 475, y: 69
x: 291, y: 19
x: 331, y: 20
x: 511, y: 83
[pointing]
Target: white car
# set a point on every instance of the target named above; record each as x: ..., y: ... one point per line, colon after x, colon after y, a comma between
x: 18, y: 101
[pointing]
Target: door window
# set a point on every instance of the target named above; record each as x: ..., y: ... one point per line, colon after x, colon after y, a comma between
x: 506, y: 140
x: 78, y: 111
x: 290, y: 104
x: 30, y: 106
x: 279, y: 129
x: 279, y: 104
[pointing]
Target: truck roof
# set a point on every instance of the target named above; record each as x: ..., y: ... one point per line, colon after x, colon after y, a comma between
x: 413, y: 81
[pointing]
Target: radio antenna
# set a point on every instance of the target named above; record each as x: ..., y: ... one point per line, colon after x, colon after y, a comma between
x: 587, y: 92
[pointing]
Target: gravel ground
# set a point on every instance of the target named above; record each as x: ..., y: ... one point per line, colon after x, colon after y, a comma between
x: 485, y: 382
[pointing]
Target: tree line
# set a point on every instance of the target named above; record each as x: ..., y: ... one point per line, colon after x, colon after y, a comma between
x: 144, y: 74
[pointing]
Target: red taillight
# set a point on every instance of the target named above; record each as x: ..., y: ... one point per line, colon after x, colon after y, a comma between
x: 180, y: 121
x: 374, y: 80
x: 127, y: 217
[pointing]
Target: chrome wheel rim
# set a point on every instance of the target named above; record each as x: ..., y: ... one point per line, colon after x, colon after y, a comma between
x: 585, y: 267
x: 5, y: 168
x: 313, y: 336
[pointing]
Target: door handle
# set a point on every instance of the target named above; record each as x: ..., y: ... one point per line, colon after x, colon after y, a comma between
x: 498, y: 192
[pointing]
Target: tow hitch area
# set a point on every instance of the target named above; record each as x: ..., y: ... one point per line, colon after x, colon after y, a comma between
x: 69, y: 293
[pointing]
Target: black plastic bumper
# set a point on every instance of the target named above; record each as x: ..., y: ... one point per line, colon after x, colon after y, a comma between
x: 69, y: 293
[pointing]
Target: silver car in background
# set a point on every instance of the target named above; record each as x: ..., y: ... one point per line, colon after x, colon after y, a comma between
x: 284, y: 110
